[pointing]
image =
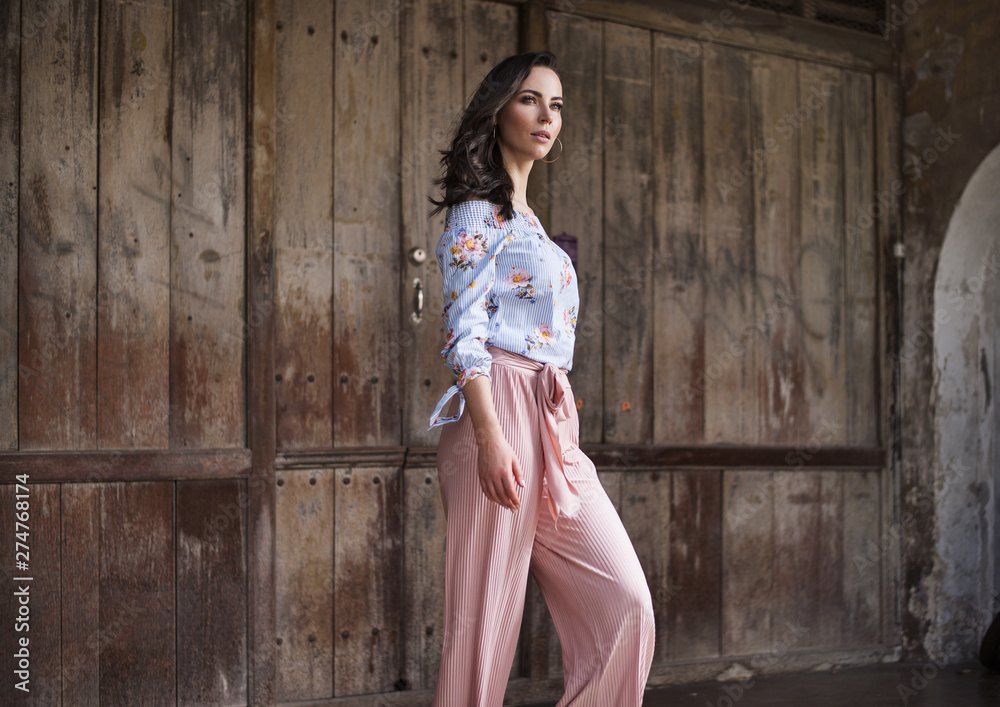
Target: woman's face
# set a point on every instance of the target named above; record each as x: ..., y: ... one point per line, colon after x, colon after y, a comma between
x: 528, y: 125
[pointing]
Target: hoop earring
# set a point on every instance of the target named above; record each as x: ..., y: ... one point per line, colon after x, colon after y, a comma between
x: 557, y: 156
x: 494, y: 132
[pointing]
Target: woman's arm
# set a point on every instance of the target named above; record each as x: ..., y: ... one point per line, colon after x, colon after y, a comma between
x: 498, y: 467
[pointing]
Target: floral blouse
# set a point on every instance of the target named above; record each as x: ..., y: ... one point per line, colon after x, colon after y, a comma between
x: 506, y: 284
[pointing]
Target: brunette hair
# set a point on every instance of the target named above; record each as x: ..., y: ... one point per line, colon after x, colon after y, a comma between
x: 473, y: 167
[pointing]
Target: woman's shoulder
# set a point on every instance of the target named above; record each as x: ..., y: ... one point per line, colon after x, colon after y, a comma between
x: 476, y: 213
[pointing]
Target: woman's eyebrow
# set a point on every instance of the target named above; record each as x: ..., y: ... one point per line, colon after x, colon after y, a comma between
x: 537, y: 93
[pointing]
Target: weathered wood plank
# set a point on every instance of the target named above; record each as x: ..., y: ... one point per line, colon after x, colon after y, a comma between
x: 211, y: 591
x: 832, y: 565
x: 80, y: 549
x: 888, y: 120
x: 822, y: 259
x: 10, y: 178
x: 727, y: 222
x: 260, y: 489
x: 646, y: 514
x: 745, y: 26
x: 869, y: 544
x: 367, y: 561
x: 432, y: 39
x: 303, y: 127
x: 490, y: 34
x: 57, y: 191
x: 692, y: 594
x: 304, y: 585
x: 678, y: 263
x: 423, y: 567
x: 41, y: 573
x: 779, y: 367
x: 798, y: 548
x: 747, y: 561
x: 628, y: 237
x: 208, y: 224
x: 575, y: 193
x: 46, y: 592
x: 366, y: 261
x: 131, y: 465
x: 858, y: 131
x: 137, y: 595
x: 133, y: 366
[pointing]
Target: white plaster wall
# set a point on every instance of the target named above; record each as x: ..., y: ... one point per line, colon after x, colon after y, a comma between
x: 963, y: 583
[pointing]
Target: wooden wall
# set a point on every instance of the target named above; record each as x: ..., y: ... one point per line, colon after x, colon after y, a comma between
x: 123, y: 284
x: 728, y: 361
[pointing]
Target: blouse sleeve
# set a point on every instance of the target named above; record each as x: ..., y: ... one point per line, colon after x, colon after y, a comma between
x: 467, y: 255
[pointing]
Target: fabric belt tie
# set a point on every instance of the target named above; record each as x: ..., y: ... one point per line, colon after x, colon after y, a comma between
x: 553, y: 400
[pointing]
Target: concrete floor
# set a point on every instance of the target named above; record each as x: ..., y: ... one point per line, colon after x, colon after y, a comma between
x: 892, y: 685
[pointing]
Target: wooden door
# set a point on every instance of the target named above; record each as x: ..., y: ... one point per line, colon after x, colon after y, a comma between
x: 121, y: 350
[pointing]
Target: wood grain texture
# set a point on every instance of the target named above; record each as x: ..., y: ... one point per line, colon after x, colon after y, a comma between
x: 490, y: 34
x: 432, y: 36
x: 775, y: 334
x: 423, y: 568
x: 129, y: 465
x: 366, y: 261
x: 44, y: 594
x: 832, y: 567
x: 10, y: 163
x: 678, y: 264
x: 134, y: 223
x: 747, y: 561
x: 628, y: 237
x: 211, y: 593
x: 749, y: 27
x: 860, y: 260
x: 367, y: 561
x: 304, y: 584
x: 57, y: 191
x: 81, y: 611
x: 691, y: 596
x: 798, y: 545
x: 260, y: 354
x: 575, y: 193
x: 870, y: 543
x: 822, y: 259
x: 138, y: 594
x: 207, y: 224
x: 646, y: 501
x: 727, y: 222
x: 302, y: 126
x: 888, y: 122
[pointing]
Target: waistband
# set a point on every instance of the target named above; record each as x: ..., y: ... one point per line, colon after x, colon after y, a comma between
x: 553, y: 400
x: 509, y: 358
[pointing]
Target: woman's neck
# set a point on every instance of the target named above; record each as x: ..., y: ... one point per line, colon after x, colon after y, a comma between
x: 519, y: 171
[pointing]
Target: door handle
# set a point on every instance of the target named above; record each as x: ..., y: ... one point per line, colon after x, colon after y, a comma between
x: 418, y: 301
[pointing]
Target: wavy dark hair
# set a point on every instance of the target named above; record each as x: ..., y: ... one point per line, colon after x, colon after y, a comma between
x: 473, y: 167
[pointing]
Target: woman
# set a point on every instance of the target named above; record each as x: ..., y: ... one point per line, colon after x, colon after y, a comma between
x: 518, y: 493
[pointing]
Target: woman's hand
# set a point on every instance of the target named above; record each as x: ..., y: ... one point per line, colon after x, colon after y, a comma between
x: 499, y: 469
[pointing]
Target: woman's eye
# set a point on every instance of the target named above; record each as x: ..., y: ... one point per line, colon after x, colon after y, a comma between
x: 557, y: 106
x: 528, y: 99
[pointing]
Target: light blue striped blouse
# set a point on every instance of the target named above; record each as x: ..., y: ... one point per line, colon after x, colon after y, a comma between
x: 506, y: 284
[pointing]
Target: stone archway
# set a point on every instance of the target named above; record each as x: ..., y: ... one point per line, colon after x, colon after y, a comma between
x: 966, y: 576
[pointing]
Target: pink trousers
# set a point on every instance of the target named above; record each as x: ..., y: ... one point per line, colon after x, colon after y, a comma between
x: 585, y: 565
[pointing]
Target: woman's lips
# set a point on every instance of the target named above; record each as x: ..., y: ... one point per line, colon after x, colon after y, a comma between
x: 541, y: 136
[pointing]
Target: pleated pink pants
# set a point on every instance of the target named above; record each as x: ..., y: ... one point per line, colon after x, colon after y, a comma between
x: 586, y: 567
